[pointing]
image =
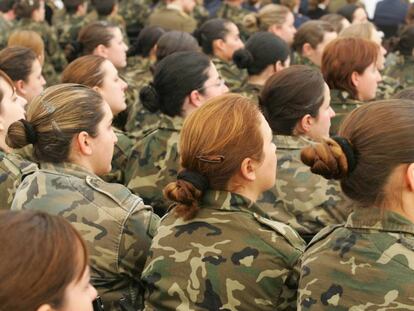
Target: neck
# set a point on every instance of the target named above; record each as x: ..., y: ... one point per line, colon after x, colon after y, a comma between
x: 258, y: 79
x: 220, y: 55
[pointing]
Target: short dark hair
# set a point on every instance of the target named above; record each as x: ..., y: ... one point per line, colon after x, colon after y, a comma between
x: 146, y: 40
x: 209, y: 31
x: 104, y: 7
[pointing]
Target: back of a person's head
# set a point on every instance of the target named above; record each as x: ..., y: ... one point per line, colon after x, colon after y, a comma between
x: 146, y: 40
x: 367, y: 151
x: 17, y: 62
x: 6, y: 5
x: 42, y: 255
x: 71, y: 6
x: 344, y: 56
x: 348, y: 11
x: 270, y: 14
x: 405, y: 43
x: 213, y: 29
x: 175, y: 41
x: 54, y: 118
x: 261, y: 50
x: 336, y: 20
x: 175, y: 77
x: 214, y: 141
x: 25, y: 8
x: 29, y: 39
x: 363, y: 30
x: 86, y: 70
x: 407, y: 93
x: 311, y: 32
x: 289, y: 95
x: 104, y: 7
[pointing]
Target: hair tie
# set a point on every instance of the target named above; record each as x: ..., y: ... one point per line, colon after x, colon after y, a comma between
x: 30, y: 132
x: 210, y: 158
x: 349, y: 152
x: 194, y: 178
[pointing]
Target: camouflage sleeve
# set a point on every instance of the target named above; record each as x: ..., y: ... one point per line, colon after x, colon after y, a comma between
x: 54, y: 51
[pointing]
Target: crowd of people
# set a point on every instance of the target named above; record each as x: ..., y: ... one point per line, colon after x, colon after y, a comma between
x: 206, y: 155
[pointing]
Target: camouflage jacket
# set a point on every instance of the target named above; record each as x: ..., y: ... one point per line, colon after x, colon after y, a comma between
x: 135, y: 14
x: 229, y: 257
x: 232, y: 75
x: 305, y: 201
x: 387, y: 87
x: 402, y: 70
x: 13, y: 169
x: 235, y: 14
x: 115, y: 224
x: 302, y: 60
x: 5, y: 28
x: 171, y: 18
x: 250, y: 90
x: 154, y: 162
x: 342, y: 104
x: 68, y: 28
x: 53, y: 53
x: 366, y: 264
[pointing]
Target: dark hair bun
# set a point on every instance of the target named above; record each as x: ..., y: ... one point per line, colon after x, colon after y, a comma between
x: 242, y: 58
x: 326, y: 159
x: 149, y: 98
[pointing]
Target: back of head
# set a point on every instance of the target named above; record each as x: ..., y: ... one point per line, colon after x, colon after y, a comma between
x: 367, y: 152
x: 25, y: 8
x: 209, y: 31
x: 175, y: 77
x: 261, y: 50
x: 289, y: 95
x: 363, y: 30
x: 175, y: 41
x: 6, y: 5
x: 147, y: 39
x: 214, y: 141
x: 405, y: 43
x: 407, y: 93
x: 270, y: 14
x: 311, y: 32
x: 71, y: 6
x: 104, y: 7
x: 86, y: 70
x: 335, y: 20
x: 348, y: 10
x: 54, y: 118
x: 344, y: 56
x: 29, y: 39
x: 29, y: 237
x: 17, y: 62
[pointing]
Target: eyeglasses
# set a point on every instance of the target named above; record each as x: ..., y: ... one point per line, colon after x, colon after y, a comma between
x: 219, y: 83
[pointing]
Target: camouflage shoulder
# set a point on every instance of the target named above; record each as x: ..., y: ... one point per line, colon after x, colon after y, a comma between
x: 321, y: 235
x: 19, y: 165
x: 290, y: 235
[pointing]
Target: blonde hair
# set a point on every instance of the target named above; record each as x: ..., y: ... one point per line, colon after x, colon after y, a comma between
x: 363, y: 30
x: 271, y: 14
x: 28, y: 39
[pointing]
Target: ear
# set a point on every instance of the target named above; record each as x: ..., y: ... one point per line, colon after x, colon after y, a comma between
x: 195, y: 98
x: 2, y: 127
x: 279, y: 66
x: 45, y: 307
x: 218, y: 44
x: 306, y: 123
x: 19, y: 84
x: 410, y: 177
x: 307, y: 49
x: 273, y: 29
x: 83, y: 143
x: 96, y: 88
x: 101, y: 50
x: 355, y: 78
x: 248, y: 169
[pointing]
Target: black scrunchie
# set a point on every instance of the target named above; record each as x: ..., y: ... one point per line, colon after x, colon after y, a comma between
x: 194, y: 178
x: 348, y: 150
x: 30, y: 132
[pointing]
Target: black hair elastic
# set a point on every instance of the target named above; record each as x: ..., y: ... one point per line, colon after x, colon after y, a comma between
x: 194, y: 178
x: 30, y: 132
x: 348, y: 150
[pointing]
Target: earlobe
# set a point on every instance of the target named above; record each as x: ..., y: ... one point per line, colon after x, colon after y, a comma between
x: 355, y: 78
x: 195, y: 99
x: 218, y: 44
x: 248, y: 169
x: 45, y: 307
x: 306, y: 123
x: 101, y: 50
x: 410, y: 177
x: 19, y: 84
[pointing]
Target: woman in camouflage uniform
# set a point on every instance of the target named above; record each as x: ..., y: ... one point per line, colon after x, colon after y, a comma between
x: 12, y: 166
x: 220, y: 38
x: 70, y: 127
x: 263, y: 55
x: 366, y: 263
x: 350, y: 68
x: 296, y: 103
x: 216, y: 249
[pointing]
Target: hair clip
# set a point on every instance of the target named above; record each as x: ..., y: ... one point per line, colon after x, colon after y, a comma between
x: 48, y: 107
x: 55, y: 126
x: 210, y: 158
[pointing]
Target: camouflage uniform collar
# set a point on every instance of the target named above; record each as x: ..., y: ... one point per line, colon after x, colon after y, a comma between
x: 291, y: 142
x: 67, y: 168
x: 379, y: 219
x: 230, y: 202
x: 301, y: 60
x: 343, y: 97
x: 171, y: 123
x: 172, y: 6
x: 219, y: 61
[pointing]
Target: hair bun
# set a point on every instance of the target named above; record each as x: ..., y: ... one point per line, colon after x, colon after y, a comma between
x: 149, y: 98
x: 243, y: 58
x: 326, y: 159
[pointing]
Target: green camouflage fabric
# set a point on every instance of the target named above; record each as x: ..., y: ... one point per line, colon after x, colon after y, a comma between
x: 231, y: 256
x: 232, y: 75
x: 68, y: 28
x: 5, y: 29
x: 171, y: 18
x: 200, y: 14
x: 305, y: 201
x: 154, y: 162
x: 298, y: 59
x: 235, y: 14
x: 135, y: 14
x: 13, y: 169
x: 366, y: 264
x: 342, y: 103
x: 402, y: 70
x: 115, y: 224
x: 387, y: 87
x: 250, y: 90
x: 55, y: 59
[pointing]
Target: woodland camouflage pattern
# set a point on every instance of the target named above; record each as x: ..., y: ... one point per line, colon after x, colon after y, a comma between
x: 115, y: 224
x: 402, y: 70
x: 305, y: 201
x: 12, y: 170
x: 232, y: 75
x: 249, y: 90
x: 154, y: 162
x: 387, y: 87
x: 366, y: 264
x: 234, y: 14
x: 5, y: 28
x: 229, y: 257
